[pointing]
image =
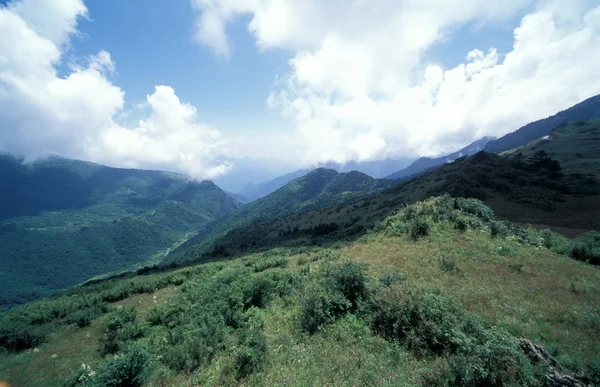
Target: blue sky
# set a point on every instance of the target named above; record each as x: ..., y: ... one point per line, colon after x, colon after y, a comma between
x: 153, y: 44
x: 213, y: 87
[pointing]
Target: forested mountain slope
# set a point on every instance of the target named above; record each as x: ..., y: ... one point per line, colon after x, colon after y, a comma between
x: 424, y: 164
x: 318, y: 189
x: 586, y: 110
x: 64, y: 221
x: 528, y: 188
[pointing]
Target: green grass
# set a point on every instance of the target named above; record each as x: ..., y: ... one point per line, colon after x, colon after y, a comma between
x: 514, y: 284
x: 576, y: 146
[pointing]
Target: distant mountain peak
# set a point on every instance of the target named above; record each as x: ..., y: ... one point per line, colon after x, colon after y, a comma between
x: 425, y: 163
x: 586, y: 110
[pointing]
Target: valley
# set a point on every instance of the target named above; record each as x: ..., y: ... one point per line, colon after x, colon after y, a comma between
x: 444, y: 278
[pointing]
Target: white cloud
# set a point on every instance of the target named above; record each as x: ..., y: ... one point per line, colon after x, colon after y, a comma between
x: 359, y: 87
x: 74, y: 116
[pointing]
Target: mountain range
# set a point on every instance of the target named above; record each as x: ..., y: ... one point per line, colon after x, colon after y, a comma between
x: 425, y: 163
x: 376, y: 169
x: 319, y: 188
x: 441, y: 277
x: 65, y: 221
x: 586, y: 110
x: 522, y: 187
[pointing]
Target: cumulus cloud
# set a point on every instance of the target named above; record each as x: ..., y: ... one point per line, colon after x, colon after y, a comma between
x: 74, y: 115
x: 359, y: 86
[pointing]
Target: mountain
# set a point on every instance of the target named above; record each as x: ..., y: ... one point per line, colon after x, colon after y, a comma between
x: 575, y: 145
x: 425, y: 163
x: 441, y: 293
x: 527, y: 187
x: 317, y: 189
x: 64, y: 221
x: 252, y: 191
x: 588, y: 109
x: 377, y: 169
x: 388, y: 287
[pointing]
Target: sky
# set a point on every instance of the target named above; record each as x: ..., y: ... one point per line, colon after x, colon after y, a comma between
x: 210, y: 87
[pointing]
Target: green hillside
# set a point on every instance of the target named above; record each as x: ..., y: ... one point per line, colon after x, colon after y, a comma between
x: 575, y: 145
x: 440, y: 293
x: 531, y: 188
x: 318, y: 189
x: 65, y: 221
x: 586, y: 110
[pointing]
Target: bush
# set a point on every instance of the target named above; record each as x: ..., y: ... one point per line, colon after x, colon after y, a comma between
x: 267, y: 263
x: 129, y: 369
x: 419, y: 229
x: 587, y: 248
x: 493, y: 360
x: 461, y: 224
x: 121, y: 327
x: 320, y: 307
x: 391, y: 278
x: 475, y: 207
x: 85, y: 317
x: 190, y: 345
x: 425, y: 322
x: 498, y: 229
x: 448, y: 266
x: 251, y: 354
x: 253, y: 291
x: 349, y: 279
x: 17, y: 336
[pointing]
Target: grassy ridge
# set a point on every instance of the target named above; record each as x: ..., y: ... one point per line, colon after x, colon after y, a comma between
x: 575, y: 145
x: 459, y: 285
x: 318, y: 189
x: 526, y: 189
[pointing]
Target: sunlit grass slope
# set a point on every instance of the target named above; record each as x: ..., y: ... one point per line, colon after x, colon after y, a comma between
x: 437, y: 294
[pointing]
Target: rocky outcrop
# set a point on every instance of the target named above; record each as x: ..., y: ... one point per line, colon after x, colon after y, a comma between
x: 554, y: 378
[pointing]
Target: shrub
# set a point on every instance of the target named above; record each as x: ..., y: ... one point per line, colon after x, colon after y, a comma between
x: 349, y: 279
x: 17, y: 336
x: 121, y: 327
x: 129, y: 369
x: 252, y: 291
x: 197, y: 342
x: 587, y: 248
x: 267, y: 263
x: 251, y: 354
x: 390, y: 278
x: 155, y: 316
x: 419, y: 229
x: 474, y: 207
x: 320, y: 307
x: 448, y: 266
x: 495, y: 359
x: 498, y: 229
x: 429, y: 323
x: 461, y: 224
x: 425, y: 322
x: 85, y: 317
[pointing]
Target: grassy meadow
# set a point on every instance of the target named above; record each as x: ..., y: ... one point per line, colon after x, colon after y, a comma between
x: 436, y: 294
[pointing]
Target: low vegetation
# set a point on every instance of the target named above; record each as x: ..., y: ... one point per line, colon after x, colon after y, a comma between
x: 439, y: 293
